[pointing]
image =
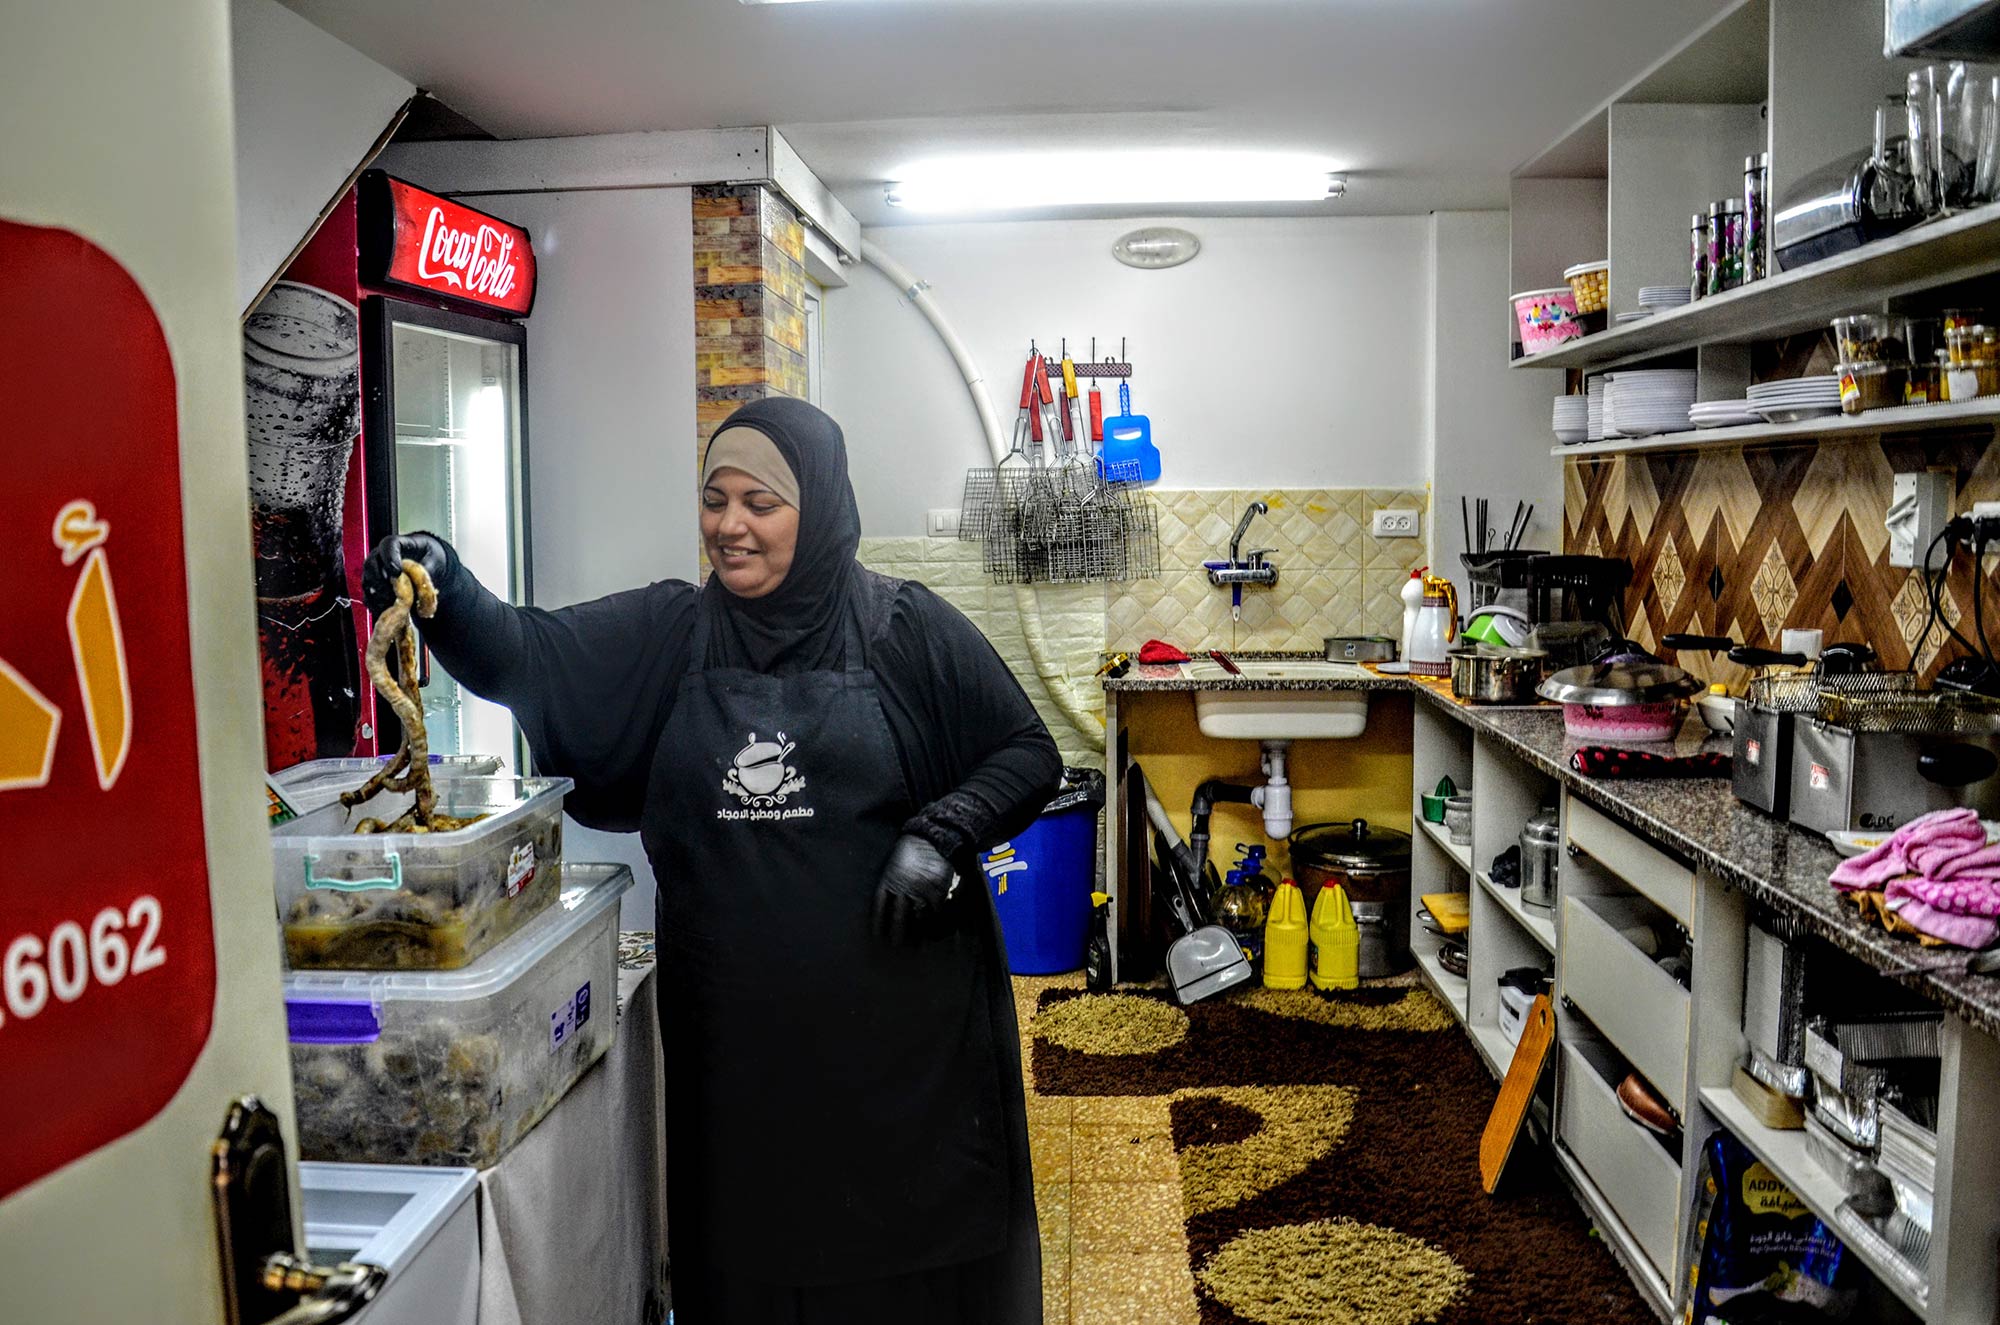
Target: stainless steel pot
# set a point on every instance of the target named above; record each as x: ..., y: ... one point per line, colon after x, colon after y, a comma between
x: 1541, y: 853
x: 1373, y: 866
x: 1487, y: 675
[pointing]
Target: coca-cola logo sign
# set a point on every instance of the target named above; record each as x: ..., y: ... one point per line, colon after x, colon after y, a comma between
x: 420, y: 241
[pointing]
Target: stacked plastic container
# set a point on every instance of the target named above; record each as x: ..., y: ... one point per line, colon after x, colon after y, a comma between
x: 445, y: 989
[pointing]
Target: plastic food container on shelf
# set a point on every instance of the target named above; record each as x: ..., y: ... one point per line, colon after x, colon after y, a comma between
x: 320, y: 782
x: 419, y: 901
x: 1866, y: 386
x: 1546, y: 318
x: 455, y: 1067
x: 1590, y: 283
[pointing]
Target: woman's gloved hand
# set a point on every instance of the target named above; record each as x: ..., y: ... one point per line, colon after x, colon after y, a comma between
x: 385, y: 563
x: 916, y: 886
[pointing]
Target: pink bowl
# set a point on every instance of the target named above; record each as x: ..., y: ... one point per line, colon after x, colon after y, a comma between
x: 1546, y: 317
x: 1624, y: 722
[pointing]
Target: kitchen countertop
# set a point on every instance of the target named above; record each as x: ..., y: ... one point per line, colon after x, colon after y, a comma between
x: 1699, y: 819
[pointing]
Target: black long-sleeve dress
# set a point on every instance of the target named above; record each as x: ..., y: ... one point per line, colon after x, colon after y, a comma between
x: 941, y: 1239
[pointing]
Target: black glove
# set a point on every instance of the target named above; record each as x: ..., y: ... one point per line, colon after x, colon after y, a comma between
x: 916, y: 886
x: 385, y: 563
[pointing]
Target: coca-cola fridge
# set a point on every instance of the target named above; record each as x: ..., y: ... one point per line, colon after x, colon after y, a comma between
x: 386, y: 390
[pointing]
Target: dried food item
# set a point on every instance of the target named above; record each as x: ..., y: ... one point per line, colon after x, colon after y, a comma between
x: 1867, y: 386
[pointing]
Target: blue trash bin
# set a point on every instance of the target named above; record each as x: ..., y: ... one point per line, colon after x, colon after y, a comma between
x: 1041, y: 885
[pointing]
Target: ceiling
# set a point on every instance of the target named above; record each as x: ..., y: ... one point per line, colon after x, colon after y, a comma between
x: 1428, y: 103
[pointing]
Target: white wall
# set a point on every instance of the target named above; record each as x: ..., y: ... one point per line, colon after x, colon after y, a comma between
x: 1491, y: 423
x: 1290, y: 353
x: 308, y: 106
x: 610, y: 414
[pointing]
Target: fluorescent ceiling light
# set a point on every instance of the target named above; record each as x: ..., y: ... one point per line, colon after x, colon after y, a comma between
x: 1016, y: 181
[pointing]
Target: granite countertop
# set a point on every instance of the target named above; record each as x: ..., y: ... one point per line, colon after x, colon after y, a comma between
x: 1699, y: 819
x: 1171, y: 677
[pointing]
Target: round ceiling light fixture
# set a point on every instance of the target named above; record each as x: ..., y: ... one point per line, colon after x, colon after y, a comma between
x: 1156, y: 247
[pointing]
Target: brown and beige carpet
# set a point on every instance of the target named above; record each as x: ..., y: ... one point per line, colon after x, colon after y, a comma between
x: 1327, y: 1160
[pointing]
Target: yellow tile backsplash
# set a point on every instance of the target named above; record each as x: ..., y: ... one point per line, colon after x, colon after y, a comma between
x: 1334, y: 578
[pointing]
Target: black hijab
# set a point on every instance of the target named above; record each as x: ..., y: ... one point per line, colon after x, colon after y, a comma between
x: 801, y: 626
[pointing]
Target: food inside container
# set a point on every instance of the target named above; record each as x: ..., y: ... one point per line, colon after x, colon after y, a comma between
x: 454, y: 1068
x: 1590, y: 283
x: 419, y: 901
x: 1866, y: 386
x: 1870, y: 338
x: 1972, y: 361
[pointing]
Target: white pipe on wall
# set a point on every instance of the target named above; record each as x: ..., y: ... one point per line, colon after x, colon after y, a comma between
x: 1088, y: 724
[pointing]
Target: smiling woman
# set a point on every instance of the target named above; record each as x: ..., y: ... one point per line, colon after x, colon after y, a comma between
x: 749, y: 512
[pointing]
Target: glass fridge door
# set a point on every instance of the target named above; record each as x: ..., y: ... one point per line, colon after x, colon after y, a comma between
x: 460, y: 473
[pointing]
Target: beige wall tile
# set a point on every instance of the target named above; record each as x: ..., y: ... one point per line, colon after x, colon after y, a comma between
x: 1131, y: 1288
x: 1126, y: 1216
x: 1133, y: 1115
x: 1114, y: 1157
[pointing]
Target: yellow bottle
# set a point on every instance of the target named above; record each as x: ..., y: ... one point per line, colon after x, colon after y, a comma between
x: 1285, y: 939
x: 1336, y: 943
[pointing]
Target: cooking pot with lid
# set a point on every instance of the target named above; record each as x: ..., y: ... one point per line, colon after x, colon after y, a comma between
x: 1541, y: 853
x: 1373, y: 865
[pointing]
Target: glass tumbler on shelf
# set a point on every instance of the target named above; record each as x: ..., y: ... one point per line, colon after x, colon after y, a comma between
x: 1949, y: 112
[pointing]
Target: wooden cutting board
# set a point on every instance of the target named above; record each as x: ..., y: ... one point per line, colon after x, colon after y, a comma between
x: 1452, y: 911
x: 1517, y: 1092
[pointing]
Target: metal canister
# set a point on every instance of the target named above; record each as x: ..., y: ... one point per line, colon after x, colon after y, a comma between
x: 1698, y: 255
x: 1541, y: 853
x: 1725, y: 245
x: 1756, y: 219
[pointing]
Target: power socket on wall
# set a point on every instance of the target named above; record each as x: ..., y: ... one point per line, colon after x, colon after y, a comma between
x: 1395, y: 524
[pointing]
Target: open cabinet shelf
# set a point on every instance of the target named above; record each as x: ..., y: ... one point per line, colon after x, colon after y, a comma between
x: 1461, y: 855
x: 1540, y: 928
x: 1877, y: 422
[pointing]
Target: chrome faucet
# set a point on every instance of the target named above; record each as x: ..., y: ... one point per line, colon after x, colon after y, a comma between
x: 1239, y: 570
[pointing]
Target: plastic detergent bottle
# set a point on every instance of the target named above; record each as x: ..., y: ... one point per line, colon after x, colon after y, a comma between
x: 1285, y: 939
x: 1252, y: 867
x: 1334, y: 949
x: 1239, y: 908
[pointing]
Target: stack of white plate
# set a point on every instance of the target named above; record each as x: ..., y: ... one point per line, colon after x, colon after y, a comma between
x: 1593, y: 421
x: 1633, y: 316
x: 1722, y: 414
x: 1795, y: 398
x: 1645, y: 401
x: 1656, y: 297
x: 1572, y: 419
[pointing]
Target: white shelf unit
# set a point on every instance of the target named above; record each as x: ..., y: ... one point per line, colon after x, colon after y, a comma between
x: 1440, y: 748
x: 1541, y: 928
x: 1840, y: 427
x: 1461, y: 855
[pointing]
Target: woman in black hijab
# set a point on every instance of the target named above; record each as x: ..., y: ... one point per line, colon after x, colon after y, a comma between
x: 813, y: 755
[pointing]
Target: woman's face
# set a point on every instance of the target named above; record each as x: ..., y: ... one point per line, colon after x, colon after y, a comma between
x: 749, y: 531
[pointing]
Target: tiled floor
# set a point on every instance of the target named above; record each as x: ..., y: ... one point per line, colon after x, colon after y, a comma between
x: 1107, y: 1187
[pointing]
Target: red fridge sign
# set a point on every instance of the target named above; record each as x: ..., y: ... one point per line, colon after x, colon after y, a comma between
x: 419, y: 241
x: 107, y: 951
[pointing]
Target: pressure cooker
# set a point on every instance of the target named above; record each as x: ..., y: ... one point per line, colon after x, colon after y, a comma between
x: 1373, y: 865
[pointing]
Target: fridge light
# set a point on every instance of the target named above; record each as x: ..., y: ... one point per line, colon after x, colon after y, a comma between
x: 1019, y: 181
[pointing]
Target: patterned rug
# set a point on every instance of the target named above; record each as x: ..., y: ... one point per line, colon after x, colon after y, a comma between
x: 1329, y: 1160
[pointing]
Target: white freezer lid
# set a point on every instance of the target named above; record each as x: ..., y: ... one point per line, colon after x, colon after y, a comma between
x: 387, y: 1213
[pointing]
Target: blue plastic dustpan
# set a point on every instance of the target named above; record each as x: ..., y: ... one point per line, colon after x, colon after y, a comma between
x: 1127, y: 454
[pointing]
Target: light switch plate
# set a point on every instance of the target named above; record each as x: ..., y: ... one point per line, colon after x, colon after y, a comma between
x: 1396, y: 523
x: 943, y: 523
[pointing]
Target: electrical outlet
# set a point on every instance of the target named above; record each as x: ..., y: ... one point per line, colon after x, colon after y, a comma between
x: 1395, y: 524
x: 1923, y: 500
x: 944, y: 522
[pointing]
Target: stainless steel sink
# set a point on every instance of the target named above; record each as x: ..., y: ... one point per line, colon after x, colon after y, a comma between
x: 1278, y: 669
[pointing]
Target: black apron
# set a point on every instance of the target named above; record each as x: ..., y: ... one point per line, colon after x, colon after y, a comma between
x: 834, y: 1106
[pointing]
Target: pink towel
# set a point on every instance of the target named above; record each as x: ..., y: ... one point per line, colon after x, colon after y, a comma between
x: 1967, y: 931
x: 1954, y: 831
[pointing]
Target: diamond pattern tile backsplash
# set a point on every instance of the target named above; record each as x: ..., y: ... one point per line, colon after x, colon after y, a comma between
x: 1334, y: 578
x: 1747, y: 541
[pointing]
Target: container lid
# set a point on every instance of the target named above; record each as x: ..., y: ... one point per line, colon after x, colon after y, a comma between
x: 506, y: 801
x: 318, y: 783
x: 1627, y: 679
x: 1528, y: 294
x: 1355, y: 845
x: 311, y: 996
x: 1602, y: 264
x: 1544, y: 827
x: 1700, y: 221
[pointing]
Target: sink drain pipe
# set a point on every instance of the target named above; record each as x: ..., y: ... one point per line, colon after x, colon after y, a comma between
x: 1089, y: 725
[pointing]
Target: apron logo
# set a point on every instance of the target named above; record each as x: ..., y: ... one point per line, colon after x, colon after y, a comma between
x: 762, y: 781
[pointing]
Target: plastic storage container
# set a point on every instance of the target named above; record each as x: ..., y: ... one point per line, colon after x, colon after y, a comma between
x: 455, y: 1067
x: 1546, y: 318
x: 1590, y: 283
x: 1041, y: 883
x: 419, y: 901
x: 421, y: 1225
x: 318, y: 783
